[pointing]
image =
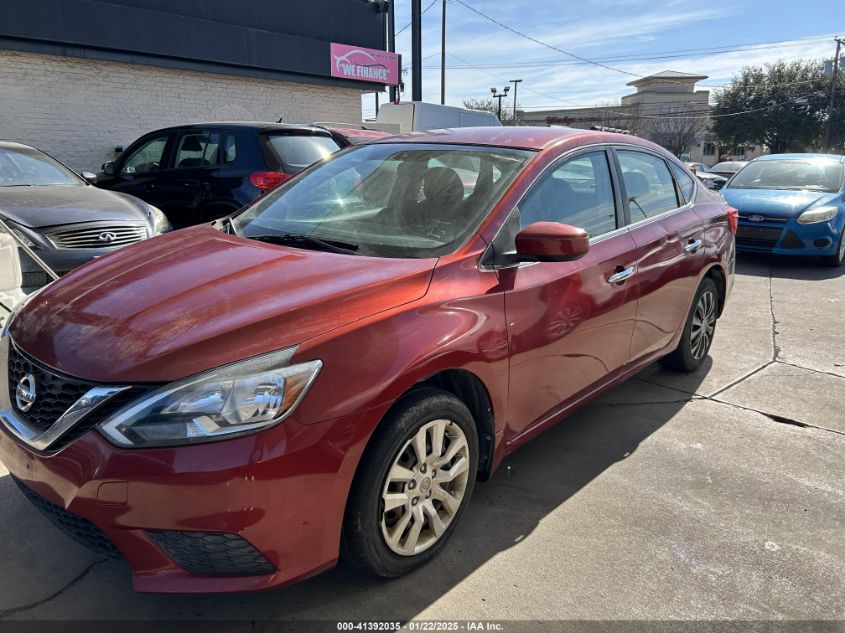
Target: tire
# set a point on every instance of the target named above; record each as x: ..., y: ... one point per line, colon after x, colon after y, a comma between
x: 381, y: 541
x: 835, y: 261
x: 698, y: 330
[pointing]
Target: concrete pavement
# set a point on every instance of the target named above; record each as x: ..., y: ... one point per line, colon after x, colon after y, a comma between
x: 717, y: 495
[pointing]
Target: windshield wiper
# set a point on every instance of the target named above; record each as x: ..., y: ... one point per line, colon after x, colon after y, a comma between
x: 297, y: 238
x: 225, y: 224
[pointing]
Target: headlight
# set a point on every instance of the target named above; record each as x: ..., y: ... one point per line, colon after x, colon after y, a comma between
x: 23, y: 238
x: 18, y: 307
x: 822, y: 214
x: 160, y: 222
x: 229, y: 401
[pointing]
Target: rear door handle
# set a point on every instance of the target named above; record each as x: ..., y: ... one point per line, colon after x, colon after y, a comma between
x: 693, y: 246
x: 620, y: 276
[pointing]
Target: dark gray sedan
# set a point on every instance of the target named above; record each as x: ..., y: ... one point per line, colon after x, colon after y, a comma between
x: 61, y: 217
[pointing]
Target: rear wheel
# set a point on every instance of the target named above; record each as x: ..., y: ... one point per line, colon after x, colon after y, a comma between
x: 837, y: 259
x: 698, y: 331
x: 413, y: 485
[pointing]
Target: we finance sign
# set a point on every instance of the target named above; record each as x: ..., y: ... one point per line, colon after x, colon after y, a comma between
x: 364, y: 64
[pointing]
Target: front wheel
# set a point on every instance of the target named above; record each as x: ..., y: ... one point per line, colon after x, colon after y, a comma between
x: 836, y: 260
x: 698, y: 331
x: 413, y: 485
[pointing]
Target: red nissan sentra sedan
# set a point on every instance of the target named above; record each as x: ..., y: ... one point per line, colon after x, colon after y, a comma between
x: 229, y: 407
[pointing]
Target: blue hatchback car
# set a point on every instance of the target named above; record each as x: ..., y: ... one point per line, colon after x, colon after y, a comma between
x: 791, y: 204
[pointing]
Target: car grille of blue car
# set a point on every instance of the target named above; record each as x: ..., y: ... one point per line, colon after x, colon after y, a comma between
x: 760, y: 238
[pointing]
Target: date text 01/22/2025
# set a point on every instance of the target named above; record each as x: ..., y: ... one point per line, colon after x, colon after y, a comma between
x: 421, y: 625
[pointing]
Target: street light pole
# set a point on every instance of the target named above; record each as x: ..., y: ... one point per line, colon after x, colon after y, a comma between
x: 500, y: 96
x: 416, y: 50
x: 391, y: 45
x: 832, y: 95
x: 443, y: 57
x: 515, y: 83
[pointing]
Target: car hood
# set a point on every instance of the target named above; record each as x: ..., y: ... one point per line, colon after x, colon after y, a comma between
x: 41, y: 206
x: 774, y: 202
x: 196, y: 299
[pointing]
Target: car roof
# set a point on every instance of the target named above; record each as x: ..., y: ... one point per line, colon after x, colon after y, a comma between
x: 535, y: 138
x: 259, y: 126
x: 835, y: 157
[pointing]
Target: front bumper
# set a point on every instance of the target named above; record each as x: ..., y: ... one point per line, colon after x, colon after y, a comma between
x: 244, y: 514
x: 789, y: 237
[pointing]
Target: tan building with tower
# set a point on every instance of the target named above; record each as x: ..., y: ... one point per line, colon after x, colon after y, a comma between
x: 666, y: 108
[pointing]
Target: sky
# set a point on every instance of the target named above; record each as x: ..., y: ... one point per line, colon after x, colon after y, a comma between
x: 481, y: 54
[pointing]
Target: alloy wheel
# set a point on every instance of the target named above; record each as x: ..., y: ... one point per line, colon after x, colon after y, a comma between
x: 703, y: 325
x: 424, y: 487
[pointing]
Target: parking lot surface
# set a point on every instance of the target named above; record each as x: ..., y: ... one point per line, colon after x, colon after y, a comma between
x: 715, y: 495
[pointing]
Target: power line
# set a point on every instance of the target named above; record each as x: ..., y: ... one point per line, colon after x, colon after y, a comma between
x: 421, y: 14
x: 546, y: 63
x: 698, y: 115
x: 554, y: 48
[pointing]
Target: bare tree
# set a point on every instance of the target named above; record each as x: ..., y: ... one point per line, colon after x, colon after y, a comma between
x: 677, y: 127
x: 488, y: 104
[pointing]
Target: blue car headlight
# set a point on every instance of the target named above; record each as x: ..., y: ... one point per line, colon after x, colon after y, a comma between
x: 821, y: 214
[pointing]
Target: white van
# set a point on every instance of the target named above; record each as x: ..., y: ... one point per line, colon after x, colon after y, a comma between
x: 415, y: 116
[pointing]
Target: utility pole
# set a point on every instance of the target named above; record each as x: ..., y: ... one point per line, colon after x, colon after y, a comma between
x: 832, y: 95
x: 515, y: 83
x: 443, y: 56
x: 500, y: 96
x: 416, y: 50
x: 391, y: 46
x: 376, y: 94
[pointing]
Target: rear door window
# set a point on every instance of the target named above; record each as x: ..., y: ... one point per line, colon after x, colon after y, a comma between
x: 197, y: 149
x: 295, y: 152
x: 648, y: 183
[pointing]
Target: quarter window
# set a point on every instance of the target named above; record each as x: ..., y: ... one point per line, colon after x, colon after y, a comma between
x: 685, y: 182
x: 648, y: 184
x: 147, y: 157
x: 579, y: 193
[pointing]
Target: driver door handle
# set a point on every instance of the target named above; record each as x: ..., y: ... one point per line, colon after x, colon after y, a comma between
x: 693, y: 246
x: 621, y: 275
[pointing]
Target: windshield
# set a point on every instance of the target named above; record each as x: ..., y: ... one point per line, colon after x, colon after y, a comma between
x: 23, y: 167
x: 390, y: 200
x: 812, y: 174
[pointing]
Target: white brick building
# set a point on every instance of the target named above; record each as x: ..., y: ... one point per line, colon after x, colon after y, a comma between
x: 80, y: 78
x: 79, y: 110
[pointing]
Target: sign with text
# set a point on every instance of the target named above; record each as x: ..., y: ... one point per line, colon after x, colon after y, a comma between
x: 364, y: 64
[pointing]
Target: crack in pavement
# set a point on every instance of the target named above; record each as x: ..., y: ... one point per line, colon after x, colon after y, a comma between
x: 775, y: 348
x: 5, y: 613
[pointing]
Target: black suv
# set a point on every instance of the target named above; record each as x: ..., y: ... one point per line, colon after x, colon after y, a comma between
x: 197, y: 173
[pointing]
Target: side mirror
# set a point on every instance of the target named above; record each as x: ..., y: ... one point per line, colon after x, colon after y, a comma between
x: 109, y: 168
x: 551, y: 242
x: 91, y: 178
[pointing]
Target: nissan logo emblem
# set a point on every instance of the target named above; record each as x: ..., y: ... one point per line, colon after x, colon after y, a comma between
x: 107, y: 236
x: 756, y: 218
x: 25, y: 393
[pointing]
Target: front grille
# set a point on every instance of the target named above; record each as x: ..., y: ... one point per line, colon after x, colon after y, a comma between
x: 55, y: 394
x: 212, y: 553
x: 80, y: 530
x: 35, y: 279
x: 98, y: 236
x: 766, y: 218
x: 757, y: 237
